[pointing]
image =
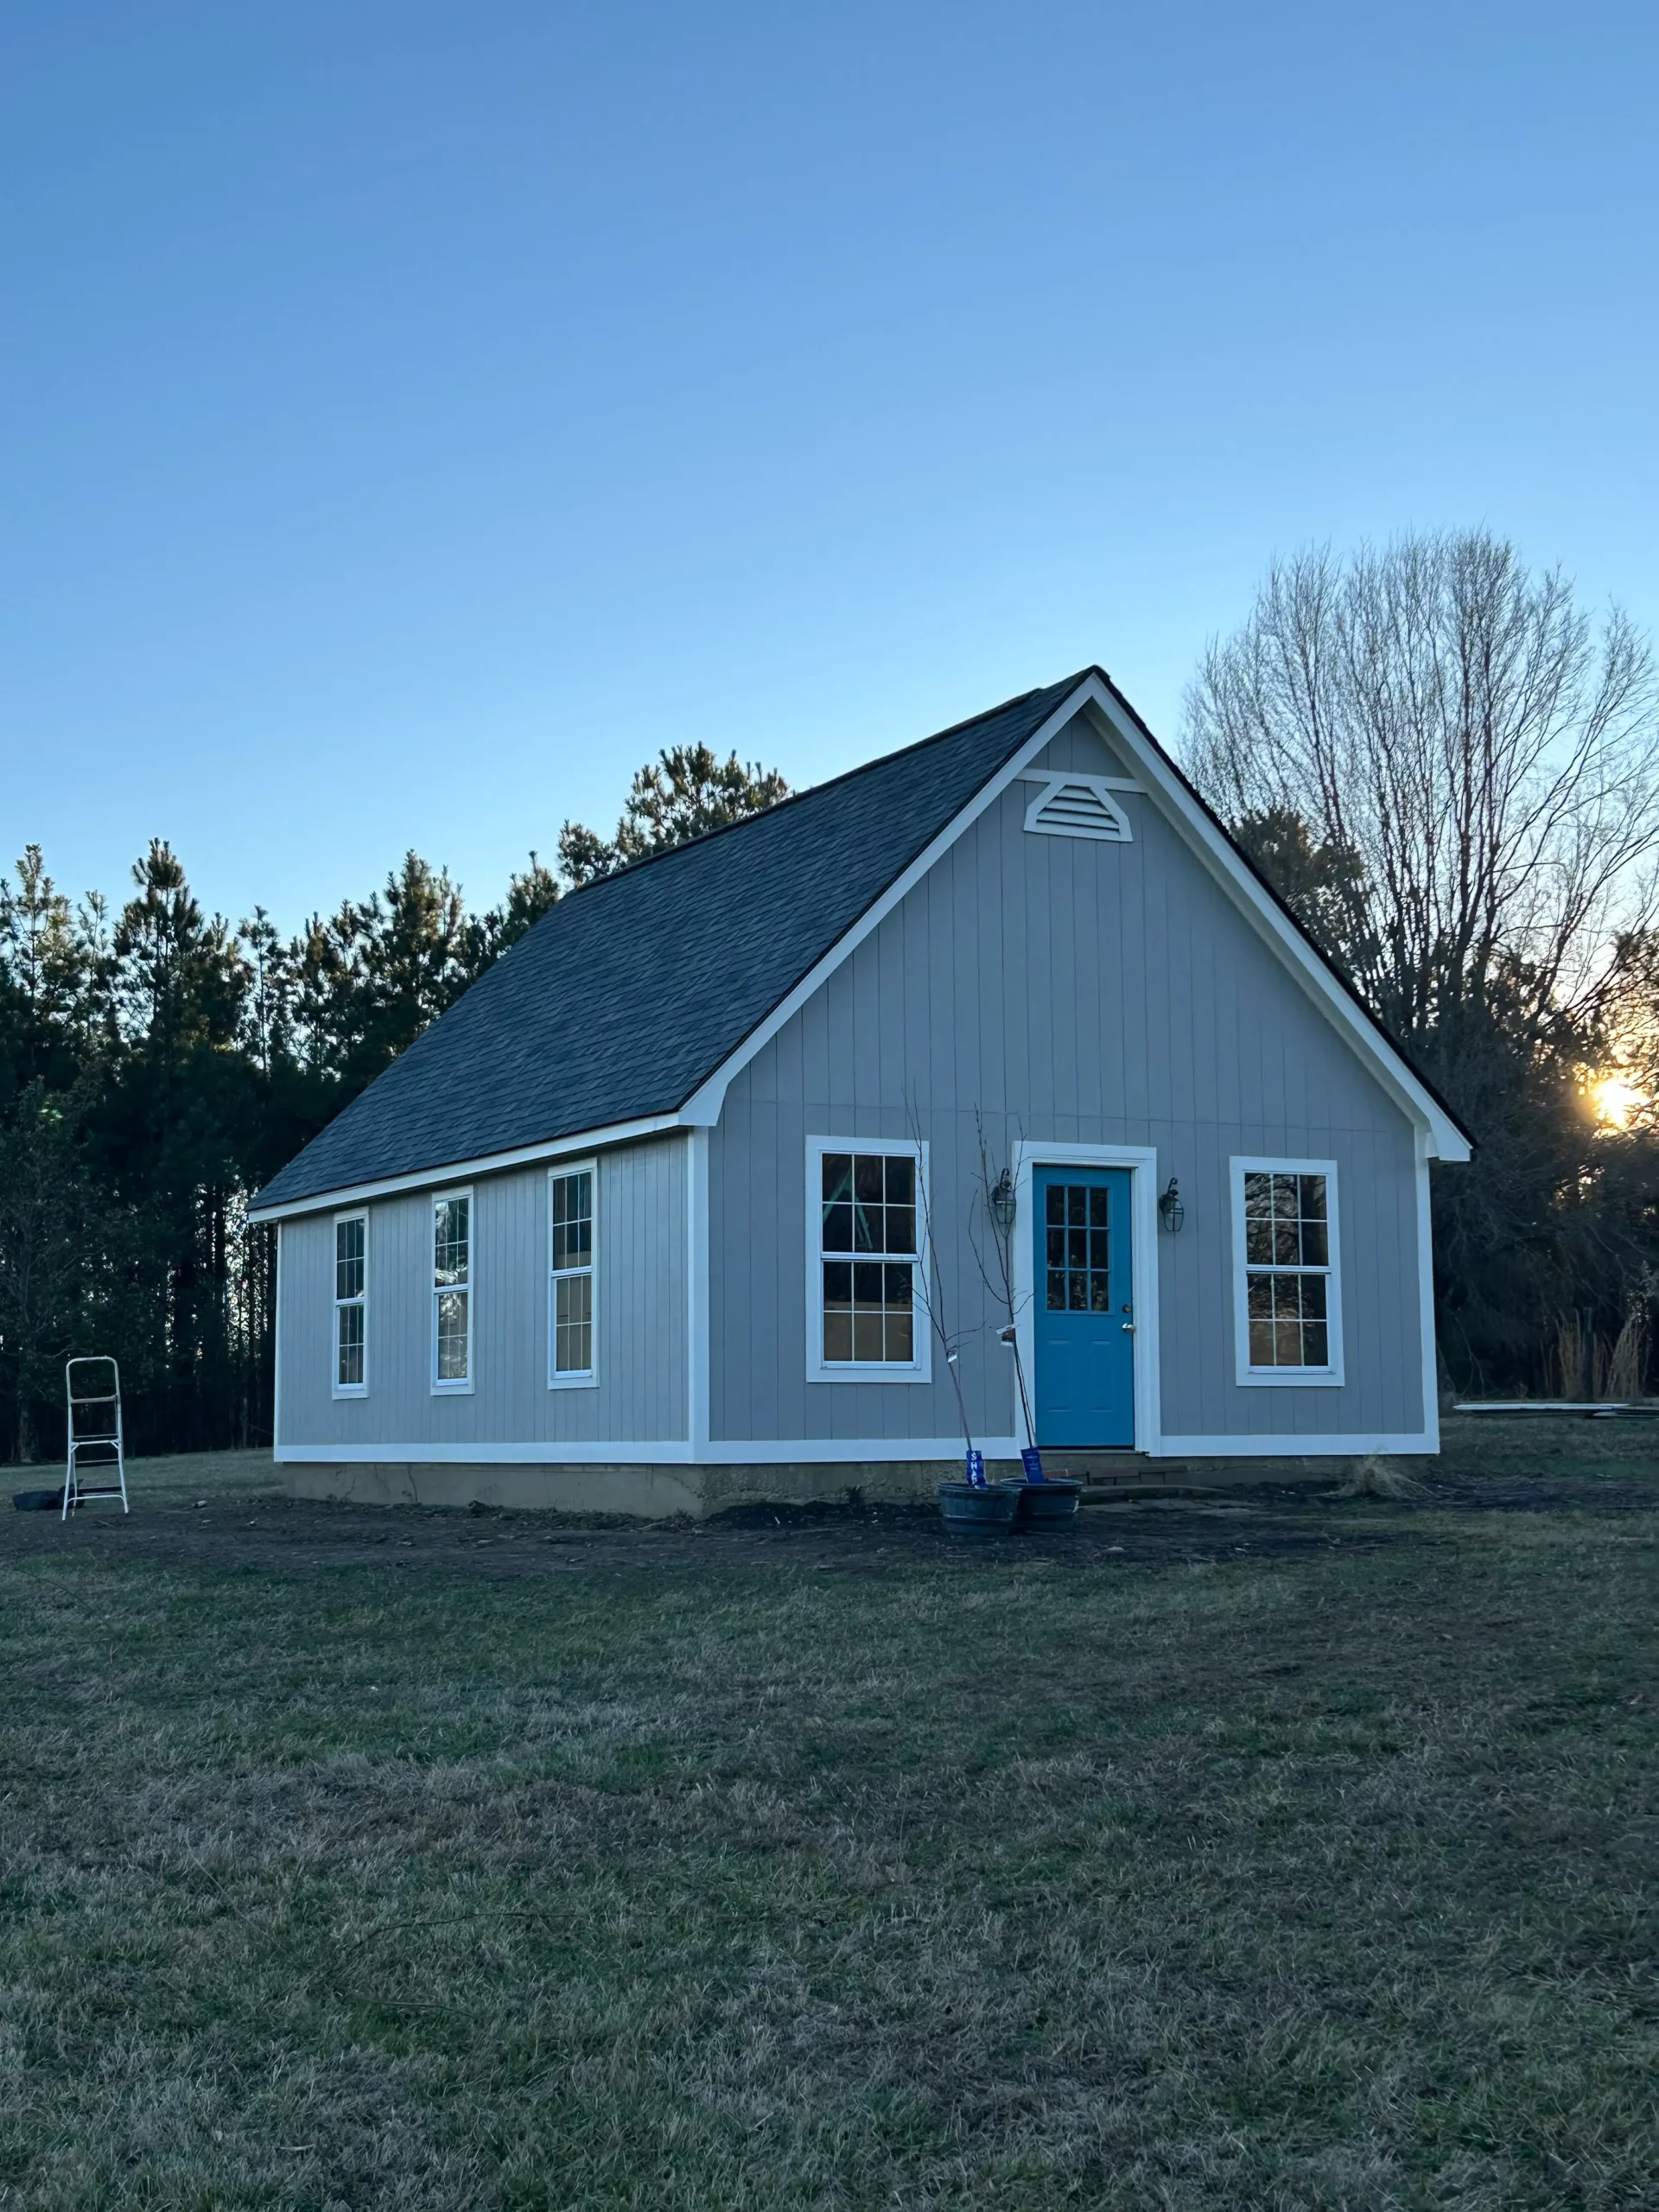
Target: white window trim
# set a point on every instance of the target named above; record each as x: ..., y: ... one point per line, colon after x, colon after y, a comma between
x: 819, y: 1370
x: 351, y: 1389
x: 1329, y: 1377
x: 588, y: 1378
x: 445, y: 1198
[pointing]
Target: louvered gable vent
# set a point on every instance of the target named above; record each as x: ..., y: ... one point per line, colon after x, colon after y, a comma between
x: 1078, y: 806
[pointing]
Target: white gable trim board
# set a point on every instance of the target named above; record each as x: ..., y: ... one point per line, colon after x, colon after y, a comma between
x: 1446, y: 1139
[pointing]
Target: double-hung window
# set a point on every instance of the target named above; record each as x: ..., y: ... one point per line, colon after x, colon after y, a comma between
x: 1287, y: 1293
x: 866, y: 1317
x: 351, y: 1305
x: 570, y: 1302
x: 452, y: 1291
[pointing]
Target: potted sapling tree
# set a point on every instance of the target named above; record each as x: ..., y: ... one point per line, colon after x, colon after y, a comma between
x: 1046, y: 1501
x: 970, y: 1505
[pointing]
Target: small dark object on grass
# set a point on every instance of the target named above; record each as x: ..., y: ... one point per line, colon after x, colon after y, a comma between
x: 973, y: 1510
x: 39, y: 1501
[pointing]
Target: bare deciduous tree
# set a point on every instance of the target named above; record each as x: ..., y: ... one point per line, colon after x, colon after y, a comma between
x: 1486, y: 762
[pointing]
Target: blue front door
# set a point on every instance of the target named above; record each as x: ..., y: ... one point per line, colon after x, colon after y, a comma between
x: 1083, y: 1324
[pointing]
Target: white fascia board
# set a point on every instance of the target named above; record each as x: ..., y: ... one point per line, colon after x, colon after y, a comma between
x: 462, y: 1170
x: 1334, y: 1000
x: 704, y: 1104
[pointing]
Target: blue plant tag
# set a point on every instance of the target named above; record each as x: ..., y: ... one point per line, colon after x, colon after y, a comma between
x: 1032, y: 1460
x: 976, y: 1470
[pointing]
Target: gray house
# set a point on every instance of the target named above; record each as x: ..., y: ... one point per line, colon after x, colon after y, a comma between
x: 653, y: 1217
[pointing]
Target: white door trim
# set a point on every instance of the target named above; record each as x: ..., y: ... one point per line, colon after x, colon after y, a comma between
x: 1142, y: 1160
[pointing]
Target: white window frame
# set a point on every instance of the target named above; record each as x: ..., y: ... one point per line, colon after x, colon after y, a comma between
x: 1286, y: 1378
x: 457, y: 1389
x: 351, y: 1389
x: 584, y: 1378
x: 818, y: 1369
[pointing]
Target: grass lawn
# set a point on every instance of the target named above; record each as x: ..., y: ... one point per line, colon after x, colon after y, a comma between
x: 1322, y: 1878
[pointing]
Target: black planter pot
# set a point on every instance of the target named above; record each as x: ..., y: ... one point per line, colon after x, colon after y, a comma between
x: 969, y: 1511
x: 1049, y: 1504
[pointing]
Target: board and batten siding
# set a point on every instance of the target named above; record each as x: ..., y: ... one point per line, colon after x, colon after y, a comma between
x: 1071, y: 991
x: 640, y: 1394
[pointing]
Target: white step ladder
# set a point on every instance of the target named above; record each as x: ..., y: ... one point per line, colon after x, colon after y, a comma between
x: 97, y: 1433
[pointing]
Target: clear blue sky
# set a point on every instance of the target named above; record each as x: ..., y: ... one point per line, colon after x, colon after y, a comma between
x: 413, y: 416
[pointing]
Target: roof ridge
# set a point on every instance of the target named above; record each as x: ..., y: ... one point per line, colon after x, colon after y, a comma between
x: 829, y: 783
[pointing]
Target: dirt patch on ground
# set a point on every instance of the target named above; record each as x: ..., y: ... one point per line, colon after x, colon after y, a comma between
x: 229, y: 1514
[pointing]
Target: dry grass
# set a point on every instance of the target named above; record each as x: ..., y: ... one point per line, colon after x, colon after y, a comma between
x: 1303, y: 1882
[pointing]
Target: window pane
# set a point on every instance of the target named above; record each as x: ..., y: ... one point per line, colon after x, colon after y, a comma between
x: 900, y: 1336
x: 866, y: 1335
x: 1100, y: 1293
x: 837, y: 1176
x: 1056, y: 1290
x: 573, y: 1221
x: 1313, y: 1197
x: 838, y: 1282
x: 838, y: 1228
x: 1076, y: 1205
x: 452, y: 1336
x: 1056, y: 1248
x: 349, y: 1370
x: 868, y: 1235
x: 901, y: 1179
x: 572, y: 1311
x: 1077, y: 1291
x: 1315, y: 1344
x: 1258, y: 1242
x: 1097, y: 1204
x: 1258, y: 1297
x: 349, y: 1258
x: 1286, y: 1344
x: 837, y: 1334
x: 1316, y: 1248
x: 866, y: 1177
x: 866, y: 1284
x: 1055, y: 1204
x: 901, y: 1229
x: 452, y: 1221
x: 1261, y: 1343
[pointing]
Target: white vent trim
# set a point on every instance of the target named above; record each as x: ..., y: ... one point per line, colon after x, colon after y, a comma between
x: 1071, y: 805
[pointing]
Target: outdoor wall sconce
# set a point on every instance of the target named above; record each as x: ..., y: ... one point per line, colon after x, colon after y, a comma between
x: 1003, y: 1202
x: 1171, y: 1211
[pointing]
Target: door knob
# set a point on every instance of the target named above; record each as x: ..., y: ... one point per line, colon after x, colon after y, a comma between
x: 1128, y: 1328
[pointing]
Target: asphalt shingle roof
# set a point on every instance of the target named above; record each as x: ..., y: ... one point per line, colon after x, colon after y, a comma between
x: 629, y: 995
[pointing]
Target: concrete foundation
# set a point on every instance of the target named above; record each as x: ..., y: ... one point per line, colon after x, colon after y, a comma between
x: 661, y: 1491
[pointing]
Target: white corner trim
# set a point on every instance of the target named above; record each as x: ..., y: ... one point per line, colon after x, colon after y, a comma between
x: 704, y: 1104
x: 277, y: 1354
x: 1330, y: 1376
x: 818, y: 1369
x: 696, y: 1291
x: 1291, y: 1447
x: 1426, y: 1299
x: 462, y: 1170
x: 1142, y: 1160
x: 586, y: 1378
